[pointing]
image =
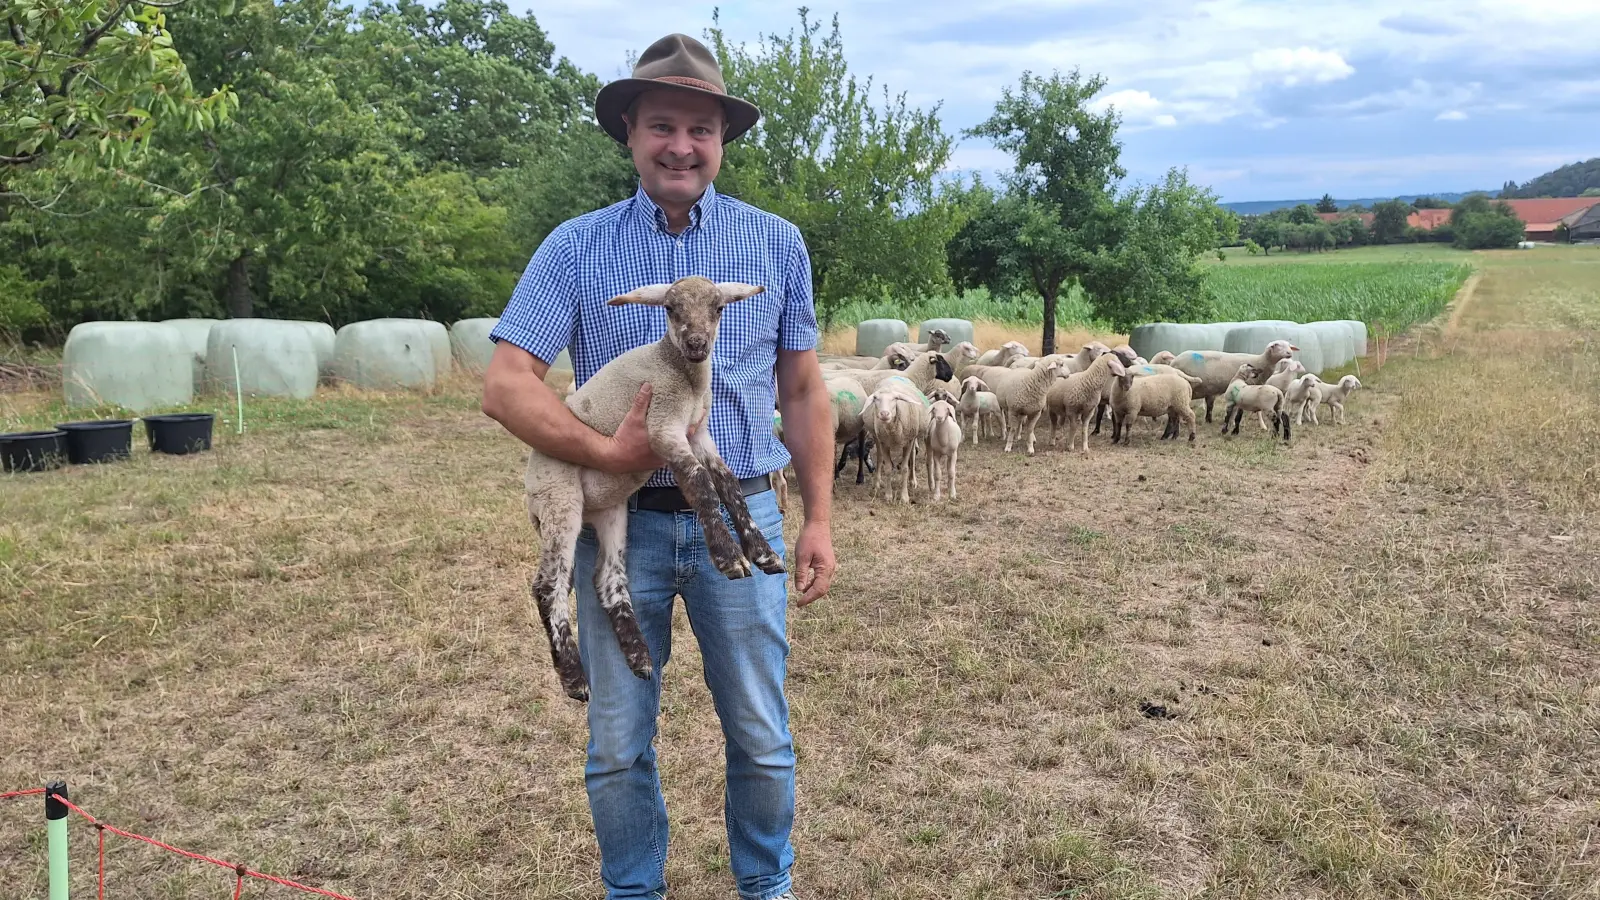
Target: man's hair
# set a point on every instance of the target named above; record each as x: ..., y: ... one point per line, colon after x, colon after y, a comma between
x: 631, y: 114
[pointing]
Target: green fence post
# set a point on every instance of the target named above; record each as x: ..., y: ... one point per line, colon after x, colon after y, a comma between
x: 55, y: 819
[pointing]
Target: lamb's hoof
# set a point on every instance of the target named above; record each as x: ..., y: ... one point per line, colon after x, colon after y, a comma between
x: 577, y: 689
x: 770, y: 563
x: 643, y: 671
x: 735, y: 568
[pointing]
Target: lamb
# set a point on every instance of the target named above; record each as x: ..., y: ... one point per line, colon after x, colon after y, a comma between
x: 1242, y: 396
x: 1334, y: 395
x: 1281, y: 377
x: 1218, y: 369
x: 979, y: 407
x: 1022, y: 398
x: 1002, y: 355
x: 1142, y: 370
x: 1167, y: 393
x: 941, y: 445
x: 1163, y: 358
x: 1299, y: 396
x: 897, y: 419
x: 562, y: 497
x: 1074, y: 400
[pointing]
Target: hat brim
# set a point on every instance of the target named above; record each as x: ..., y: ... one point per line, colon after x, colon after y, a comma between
x: 613, y: 100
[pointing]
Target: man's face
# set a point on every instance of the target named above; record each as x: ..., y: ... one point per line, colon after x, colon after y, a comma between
x: 676, y: 139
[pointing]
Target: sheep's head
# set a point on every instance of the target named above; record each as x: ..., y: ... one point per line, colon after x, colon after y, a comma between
x: 1290, y: 364
x: 694, y: 309
x: 940, y: 394
x: 1164, y: 358
x: 1124, y: 353
x: 972, y: 384
x: 1349, y: 383
x: 1277, y: 350
x: 899, y: 358
x: 1247, y: 374
x: 942, y: 369
x: 937, y: 338
x: 965, y: 350
x: 941, y: 409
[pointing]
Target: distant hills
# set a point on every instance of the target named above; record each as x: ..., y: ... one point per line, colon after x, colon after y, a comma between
x: 1259, y: 207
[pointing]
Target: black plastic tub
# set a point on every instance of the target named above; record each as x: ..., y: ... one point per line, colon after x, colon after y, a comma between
x: 179, y: 433
x: 32, y: 451
x: 102, y: 440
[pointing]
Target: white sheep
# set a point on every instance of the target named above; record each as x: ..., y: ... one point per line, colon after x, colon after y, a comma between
x: 941, y: 444
x: 896, y: 418
x: 1168, y: 393
x: 1074, y: 399
x: 1283, y: 375
x: 979, y: 408
x: 1334, y: 395
x: 1002, y: 355
x: 562, y: 497
x: 1299, y: 396
x: 937, y: 338
x: 1163, y: 358
x: 1243, y: 396
x: 1217, y: 369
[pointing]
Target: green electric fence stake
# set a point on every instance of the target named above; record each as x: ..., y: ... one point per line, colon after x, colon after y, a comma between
x: 55, y: 819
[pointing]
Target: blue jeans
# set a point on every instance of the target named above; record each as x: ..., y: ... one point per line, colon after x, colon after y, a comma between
x: 740, y: 628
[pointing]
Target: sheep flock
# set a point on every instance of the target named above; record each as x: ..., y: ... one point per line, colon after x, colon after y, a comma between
x: 923, y: 402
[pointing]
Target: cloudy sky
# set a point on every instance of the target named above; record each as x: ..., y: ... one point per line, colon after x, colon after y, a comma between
x: 1261, y: 100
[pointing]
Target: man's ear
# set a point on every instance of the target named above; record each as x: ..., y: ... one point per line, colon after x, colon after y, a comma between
x: 649, y: 295
x: 736, y: 290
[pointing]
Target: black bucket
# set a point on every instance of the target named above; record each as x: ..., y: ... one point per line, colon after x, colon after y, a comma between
x: 102, y: 440
x: 179, y: 433
x: 32, y: 451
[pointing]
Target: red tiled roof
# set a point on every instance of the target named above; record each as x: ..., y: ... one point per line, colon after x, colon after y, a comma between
x: 1429, y: 219
x: 1543, y: 214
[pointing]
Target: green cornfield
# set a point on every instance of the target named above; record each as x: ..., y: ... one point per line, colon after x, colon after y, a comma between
x: 1388, y: 296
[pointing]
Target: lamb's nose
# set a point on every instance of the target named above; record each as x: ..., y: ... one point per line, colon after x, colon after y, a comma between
x: 696, y: 342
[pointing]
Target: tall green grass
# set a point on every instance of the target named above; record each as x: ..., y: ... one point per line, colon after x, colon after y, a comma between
x: 1386, y: 295
x: 976, y: 305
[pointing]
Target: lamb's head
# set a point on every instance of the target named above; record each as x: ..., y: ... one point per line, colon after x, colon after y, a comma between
x: 1288, y: 364
x: 694, y: 309
x: 1349, y: 383
x: 1164, y: 358
x: 1247, y: 374
x: 938, y: 394
x: 972, y: 384
x: 941, y: 409
x: 1279, y: 349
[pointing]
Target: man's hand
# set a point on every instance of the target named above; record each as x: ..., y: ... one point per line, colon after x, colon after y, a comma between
x: 814, y: 561
x: 629, y: 449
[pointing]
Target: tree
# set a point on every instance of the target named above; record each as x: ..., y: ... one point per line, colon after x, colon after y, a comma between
x: 1389, y: 220
x: 1227, y: 225
x: 1303, y: 214
x: 1478, y: 223
x: 1150, y: 270
x: 860, y: 182
x: 1326, y: 204
x: 1065, y: 161
x: 88, y: 81
x: 1429, y: 203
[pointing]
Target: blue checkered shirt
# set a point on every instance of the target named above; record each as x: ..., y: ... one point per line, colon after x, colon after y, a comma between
x: 560, y: 303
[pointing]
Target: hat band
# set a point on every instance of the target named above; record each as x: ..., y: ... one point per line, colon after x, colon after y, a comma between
x: 690, y: 82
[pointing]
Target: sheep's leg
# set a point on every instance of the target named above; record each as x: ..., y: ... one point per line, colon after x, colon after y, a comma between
x: 751, y: 540
x: 558, y: 521
x: 1261, y: 419
x: 611, y: 587
x: 933, y: 484
x: 1209, y: 399
x: 950, y: 473
x: 1085, y: 434
x: 1099, y: 411
x: 1340, y: 408
x: 1186, y: 414
x: 694, y: 480
x: 1033, y: 420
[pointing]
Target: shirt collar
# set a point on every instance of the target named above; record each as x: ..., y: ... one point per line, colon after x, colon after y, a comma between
x: 699, y: 213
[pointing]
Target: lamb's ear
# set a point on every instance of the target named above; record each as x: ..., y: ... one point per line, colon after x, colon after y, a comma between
x: 737, y: 290
x: 649, y: 295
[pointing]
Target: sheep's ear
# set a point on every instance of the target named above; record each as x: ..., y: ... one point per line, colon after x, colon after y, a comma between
x: 737, y: 290
x: 649, y: 295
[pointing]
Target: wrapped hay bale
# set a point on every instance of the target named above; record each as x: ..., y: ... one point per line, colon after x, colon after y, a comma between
x: 386, y: 354
x: 322, y: 335
x: 958, y: 329
x: 1358, y: 335
x: 277, y: 358
x: 1338, y: 347
x: 1148, y: 340
x: 874, y: 335
x: 135, y: 365
x: 470, y: 344
x: 1254, y: 338
x: 195, y: 332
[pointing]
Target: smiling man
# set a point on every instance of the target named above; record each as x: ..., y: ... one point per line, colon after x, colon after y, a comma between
x: 675, y: 115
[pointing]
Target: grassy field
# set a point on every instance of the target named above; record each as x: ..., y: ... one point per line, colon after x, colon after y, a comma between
x: 311, y: 650
x: 1389, y: 288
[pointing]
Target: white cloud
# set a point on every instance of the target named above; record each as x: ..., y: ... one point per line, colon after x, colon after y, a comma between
x: 1454, y: 115
x: 1137, y: 108
x: 1301, y: 64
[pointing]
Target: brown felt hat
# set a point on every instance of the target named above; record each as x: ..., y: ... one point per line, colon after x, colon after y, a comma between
x: 679, y: 62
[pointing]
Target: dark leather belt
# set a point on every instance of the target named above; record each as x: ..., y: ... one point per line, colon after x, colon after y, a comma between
x: 671, y: 499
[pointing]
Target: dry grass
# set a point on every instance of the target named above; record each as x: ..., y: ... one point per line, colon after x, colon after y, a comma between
x: 311, y: 650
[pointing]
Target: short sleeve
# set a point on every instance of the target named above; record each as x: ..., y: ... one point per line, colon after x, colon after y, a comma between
x: 797, y: 323
x: 543, y: 310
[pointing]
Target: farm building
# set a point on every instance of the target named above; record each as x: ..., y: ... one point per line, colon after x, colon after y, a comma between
x: 1542, y: 216
x: 1584, y: 225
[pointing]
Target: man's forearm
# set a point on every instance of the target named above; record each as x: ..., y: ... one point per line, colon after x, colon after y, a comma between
x: 533, y: 412
x: 808, y: 426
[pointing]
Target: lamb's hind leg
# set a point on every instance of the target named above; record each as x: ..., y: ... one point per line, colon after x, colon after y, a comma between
x: 751, y: 540
x: 611, y: 587
x: 558, y: 521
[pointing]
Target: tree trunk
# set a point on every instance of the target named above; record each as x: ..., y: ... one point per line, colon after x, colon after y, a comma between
x: 241, y: 304
x: 1047, y: 344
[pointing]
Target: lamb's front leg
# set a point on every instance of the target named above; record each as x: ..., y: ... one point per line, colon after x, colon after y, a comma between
x: 611, y: 587
x: 751, y: 540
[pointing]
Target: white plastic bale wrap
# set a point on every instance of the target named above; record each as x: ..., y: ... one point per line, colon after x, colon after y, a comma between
x: 1337, y: 346
x: 1148, y: 340
x: 470, y: 344
x: 1358, y: 335
x: 322, y: 335
x: 1250, y: 338
x: 385, y: 354
x: 958, y: 329
x: 195, y: 332
x: 139, y: 366
x: 874, y: 335
x: 277, y: 358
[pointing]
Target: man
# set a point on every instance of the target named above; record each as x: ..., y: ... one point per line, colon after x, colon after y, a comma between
x: 675, y: 116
